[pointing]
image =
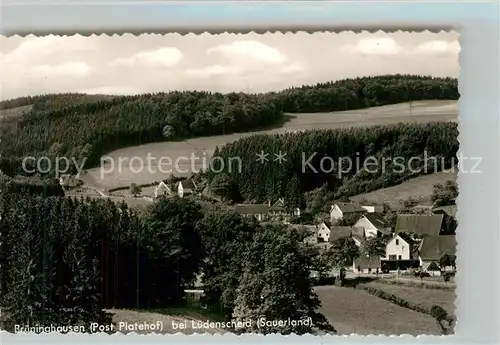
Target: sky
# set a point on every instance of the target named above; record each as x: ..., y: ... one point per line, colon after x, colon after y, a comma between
x: 131, y: 64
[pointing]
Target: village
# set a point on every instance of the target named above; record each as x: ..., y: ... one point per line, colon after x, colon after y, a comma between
x: 421, y: 242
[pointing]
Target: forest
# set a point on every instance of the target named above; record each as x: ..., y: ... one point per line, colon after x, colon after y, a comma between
x: 65, y: 260
x: 435, y: 145
x: 88, y: 126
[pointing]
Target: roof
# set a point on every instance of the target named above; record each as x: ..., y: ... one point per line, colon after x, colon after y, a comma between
x: 450, y: 210
x: 310, y: 228
x: 252, y: 208
x: 347, y: 207
x: 188, y: 184
x: 377, y: 220
x: 278, y: 205
x: 367, y: 262
x: 406, y: 238
x: 361, y: 239
x: 434, y: 246
x: 421, y: 224
x: 339, y: 232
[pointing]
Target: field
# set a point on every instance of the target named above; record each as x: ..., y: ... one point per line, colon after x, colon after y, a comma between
x: 15, y: 111
x: 355, y: 311
x: 132, y: 165
x: 420, y: 296
x: 418, y: 188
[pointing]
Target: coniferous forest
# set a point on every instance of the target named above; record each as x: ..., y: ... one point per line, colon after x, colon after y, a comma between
x: 65, y: 260
x: 433, y: 145
x: 79, y: 126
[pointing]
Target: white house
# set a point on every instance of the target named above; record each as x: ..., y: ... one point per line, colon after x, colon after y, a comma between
x: 373, y: 208
x: 186, y: 187
x: 323, y: 232
x: 340, y: 209
x: 373, y: 224
x: 399, y: 248
x: 401, y: 253
x: 162, y: 189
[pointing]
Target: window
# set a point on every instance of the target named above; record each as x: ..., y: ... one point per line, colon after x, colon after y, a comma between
x: 397, y: 242
x: 399, y: 257
x: 392, y: 257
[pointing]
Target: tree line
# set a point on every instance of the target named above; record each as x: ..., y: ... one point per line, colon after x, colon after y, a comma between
x: 64, y: 260
x: 88, y: 126
x: 334, y: 163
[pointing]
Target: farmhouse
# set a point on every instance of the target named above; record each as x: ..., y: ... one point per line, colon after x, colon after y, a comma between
x: 340, y: 209
x: 449, y: 218
x: 367, y: 264
x: 373, y: 225
x: 258, y: 211
x: 69, y: 181
x: 326, y: 233
x: 432, y: 248
x: 450, y: 211
x: 186, y: 187
x: 163, y: 189
x: 278, y: 210
x: 420, y: 224
x: 337, y: 232
x: 401, y: 253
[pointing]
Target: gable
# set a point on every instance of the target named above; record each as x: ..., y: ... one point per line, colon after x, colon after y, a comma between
x: 401, y: 239
x: 162, y: 185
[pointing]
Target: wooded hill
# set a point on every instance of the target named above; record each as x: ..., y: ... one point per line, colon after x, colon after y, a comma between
x: 63, y: 260
x: 395, y: 144
x: 78, y: 126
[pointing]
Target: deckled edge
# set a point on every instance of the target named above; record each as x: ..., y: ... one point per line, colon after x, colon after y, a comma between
x: 238, y: 31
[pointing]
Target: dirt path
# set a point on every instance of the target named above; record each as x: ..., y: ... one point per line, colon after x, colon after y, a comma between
x: 126, y: 321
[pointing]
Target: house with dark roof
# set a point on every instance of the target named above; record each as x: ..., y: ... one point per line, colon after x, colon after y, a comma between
x: 373, y: 225
x: 340, y: 209
x: 450, y: 210
x: 449, y: 218
x: 433, y: 247
x: 279, y: 211
x: 420, y: 225
x: 401, y: 252
x: 367, y: 264
x: 258, y: 211
x: 186, y: 187
x: 337, y: 232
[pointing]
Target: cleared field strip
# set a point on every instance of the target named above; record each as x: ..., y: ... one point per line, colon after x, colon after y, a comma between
x: 425, y: 298
x: 203, y: 147
x: 419, y: 188
x: 355, y: 311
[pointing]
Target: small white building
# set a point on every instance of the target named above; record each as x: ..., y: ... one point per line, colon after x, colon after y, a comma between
x: 323, y: 232
x: 373, y: 225
x: 186, y: 187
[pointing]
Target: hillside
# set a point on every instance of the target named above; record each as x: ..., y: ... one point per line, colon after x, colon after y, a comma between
x: 88, y: 126
x: 419, y: 188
